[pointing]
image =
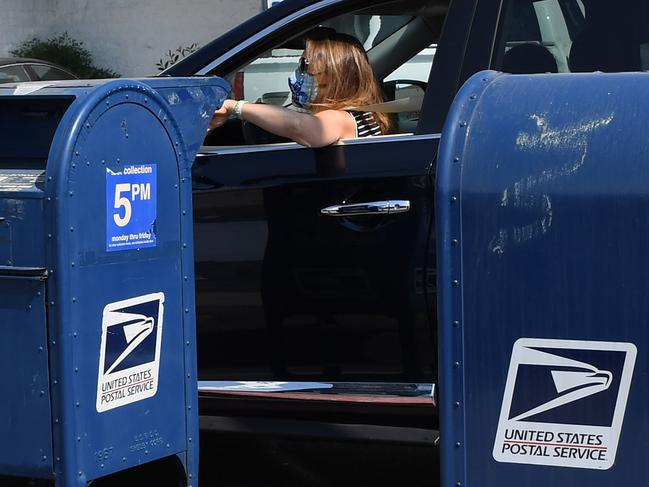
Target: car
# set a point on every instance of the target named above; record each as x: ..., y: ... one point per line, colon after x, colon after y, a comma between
x: 304, y: 299
x: 305, y: 310
x: 16, y: 70
x: 290, y: 294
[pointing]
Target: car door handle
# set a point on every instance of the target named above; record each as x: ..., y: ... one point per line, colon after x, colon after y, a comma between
x: 389, y: 207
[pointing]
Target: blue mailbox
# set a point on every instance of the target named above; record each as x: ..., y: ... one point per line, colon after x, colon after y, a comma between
x: 542, y: 250
x: 97, y: 329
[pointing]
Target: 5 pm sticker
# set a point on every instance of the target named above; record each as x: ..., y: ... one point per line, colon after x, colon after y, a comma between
x: 564, y: 403
x: 131, y: 205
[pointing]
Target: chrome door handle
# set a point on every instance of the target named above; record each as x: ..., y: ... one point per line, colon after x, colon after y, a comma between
x: 389, y: 207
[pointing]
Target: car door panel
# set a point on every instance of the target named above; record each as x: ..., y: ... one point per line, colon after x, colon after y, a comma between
x: 287, y: 293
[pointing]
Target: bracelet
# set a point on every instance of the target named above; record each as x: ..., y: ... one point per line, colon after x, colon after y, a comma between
x: 238, y: 106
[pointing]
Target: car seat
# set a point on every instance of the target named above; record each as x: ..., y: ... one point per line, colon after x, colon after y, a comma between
x: 608, y: 42
x: 529, y: 58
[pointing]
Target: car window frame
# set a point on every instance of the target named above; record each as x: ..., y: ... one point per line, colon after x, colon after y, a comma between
x: 267, y: 38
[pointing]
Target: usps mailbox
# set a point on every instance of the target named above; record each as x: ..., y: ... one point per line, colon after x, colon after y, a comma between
x: 97, y: 344
x: 542, y: 218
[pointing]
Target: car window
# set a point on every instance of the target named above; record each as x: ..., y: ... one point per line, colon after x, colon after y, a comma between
x: 265, y: 78
x: 400, y: 48
x: 49, y: 73
x: 538, y: 36
x: 12, y: 74
x: 417, y: 67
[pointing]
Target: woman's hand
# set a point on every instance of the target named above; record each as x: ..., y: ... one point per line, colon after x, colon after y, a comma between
x: 222, y: 114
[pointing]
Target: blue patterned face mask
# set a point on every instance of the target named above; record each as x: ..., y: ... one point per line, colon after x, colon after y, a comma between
x: 303, y: 86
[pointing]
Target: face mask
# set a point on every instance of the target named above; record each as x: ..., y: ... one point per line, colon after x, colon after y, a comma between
x: 304, y: 88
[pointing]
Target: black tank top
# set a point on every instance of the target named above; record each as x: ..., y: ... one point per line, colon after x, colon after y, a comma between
x: 365, y: 124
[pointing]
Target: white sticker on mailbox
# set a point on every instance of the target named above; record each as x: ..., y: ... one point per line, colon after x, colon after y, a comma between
x: 129, y: 356
x: 564, y: 403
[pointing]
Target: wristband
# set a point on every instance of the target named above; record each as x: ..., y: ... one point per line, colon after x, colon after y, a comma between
x: 238, y: 106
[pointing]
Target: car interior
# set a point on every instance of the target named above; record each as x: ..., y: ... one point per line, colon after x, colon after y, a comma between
x: 572, y: 36
x: 400, y: 43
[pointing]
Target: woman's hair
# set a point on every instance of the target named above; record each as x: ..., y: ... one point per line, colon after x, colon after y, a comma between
x: 351, y: 81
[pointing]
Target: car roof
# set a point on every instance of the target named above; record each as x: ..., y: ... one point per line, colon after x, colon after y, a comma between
x: 21, y: 60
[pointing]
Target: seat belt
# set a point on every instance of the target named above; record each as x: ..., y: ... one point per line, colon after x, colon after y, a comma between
x: 409, y: 104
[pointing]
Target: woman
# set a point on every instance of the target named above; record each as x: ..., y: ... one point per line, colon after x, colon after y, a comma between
x: 334, y: 76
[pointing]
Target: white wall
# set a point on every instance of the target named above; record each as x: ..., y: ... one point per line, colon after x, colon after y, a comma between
x: 18, y: 21
x: 127, y: 36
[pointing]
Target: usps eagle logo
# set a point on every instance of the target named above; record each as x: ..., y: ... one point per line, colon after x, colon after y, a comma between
x: 564, y: 403
x: 129, y: 355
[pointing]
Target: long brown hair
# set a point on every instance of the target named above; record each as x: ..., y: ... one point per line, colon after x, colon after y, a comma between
x: 351, y: 81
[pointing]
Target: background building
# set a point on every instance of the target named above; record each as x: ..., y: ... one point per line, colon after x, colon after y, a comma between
x: 127, y: 36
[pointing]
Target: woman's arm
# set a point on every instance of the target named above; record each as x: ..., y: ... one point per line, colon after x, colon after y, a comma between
x: 324, y: 128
